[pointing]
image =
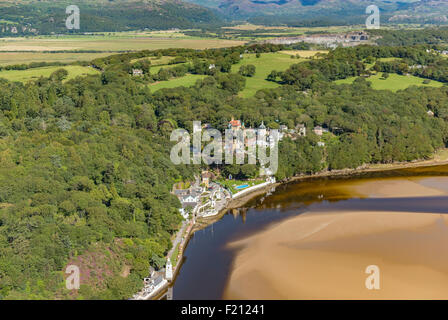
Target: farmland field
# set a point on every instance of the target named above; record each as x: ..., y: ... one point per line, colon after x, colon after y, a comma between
x: 35, y: 73
x: 110, y: 43
x: 186, y: 81
x: 369, y: 66
x: 57, y: 48
x: 283, y: 31
x: 394, y: 83
x: 156, y: 67
x: 279, y: 61
x: 155, y: 61
x: 303, y: 53
x: 10, y: 58
x: 333, y: 29
x: 264, y: 65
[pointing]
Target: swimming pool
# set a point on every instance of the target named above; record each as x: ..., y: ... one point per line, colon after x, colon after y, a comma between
x: 242, y: 187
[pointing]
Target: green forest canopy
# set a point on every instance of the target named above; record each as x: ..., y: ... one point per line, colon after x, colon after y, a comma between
x: 85, y: 173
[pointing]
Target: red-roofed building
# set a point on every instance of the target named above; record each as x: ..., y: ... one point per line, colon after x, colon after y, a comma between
x: 234, y: 124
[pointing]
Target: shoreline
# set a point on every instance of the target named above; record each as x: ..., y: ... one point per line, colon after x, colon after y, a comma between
x: 235, y: 203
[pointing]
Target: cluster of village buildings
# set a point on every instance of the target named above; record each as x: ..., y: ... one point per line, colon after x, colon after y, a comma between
x: 200, y: 199
x: 156, y: 281
x: 299, y: 129
x: 189, y: 198
x: 328, y: 40
x: 205, y: 198
x: 444, y: 52
x: 284, y: 131
x: 15, y: 29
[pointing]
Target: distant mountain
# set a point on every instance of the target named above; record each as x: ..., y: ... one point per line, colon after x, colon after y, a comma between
x: 342, y: 11
x: 424, y: 11
x: 26, y: 17
x: 48, y: 16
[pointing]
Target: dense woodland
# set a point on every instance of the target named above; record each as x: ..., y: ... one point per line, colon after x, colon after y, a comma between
x: 85, y: 175
x: 408, y: 37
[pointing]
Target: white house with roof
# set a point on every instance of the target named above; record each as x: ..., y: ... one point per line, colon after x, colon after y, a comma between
x: 184, y: 213
x: 152, y: 286
x: 137, y: 72
x: 189, y: 198
x: 301, y: 130
x: 318, y: 130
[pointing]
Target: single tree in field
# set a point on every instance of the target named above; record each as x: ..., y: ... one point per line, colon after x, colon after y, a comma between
x: 59, y: 75
x: 247, y: 70
x: 272, y: 76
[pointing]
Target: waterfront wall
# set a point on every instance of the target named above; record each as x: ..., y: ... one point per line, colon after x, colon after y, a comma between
x: 251, y: 189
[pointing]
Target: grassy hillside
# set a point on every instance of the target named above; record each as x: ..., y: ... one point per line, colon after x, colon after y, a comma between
x: 264, y: 65
x: 394, y: 83
x: 10, y: 58
x: 329, y: 12
x: 48, y: 17
x: 70, y: 48
x: 267, y: 62
x: 110, y: 42
x: 186, y: 81
x: 36, y: 73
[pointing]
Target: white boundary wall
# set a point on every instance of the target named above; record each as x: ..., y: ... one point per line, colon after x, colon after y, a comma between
x: 250, y: 189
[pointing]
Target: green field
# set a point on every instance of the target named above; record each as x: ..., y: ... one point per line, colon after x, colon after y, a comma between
x: 303, y: 53
x: 155, y: 68
x: 11, y: 58
x: 369, y: 66
x: 164, y: 60
x: 112, y: 42
x: 264, y: 65
x: 35, y: 73
x: 186, y: 81
x: 24, y: 50
x: 394, y: 83
x: 270, y: 32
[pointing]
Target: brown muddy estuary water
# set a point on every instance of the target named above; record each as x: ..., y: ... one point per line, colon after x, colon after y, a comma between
x: 313, y: 239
